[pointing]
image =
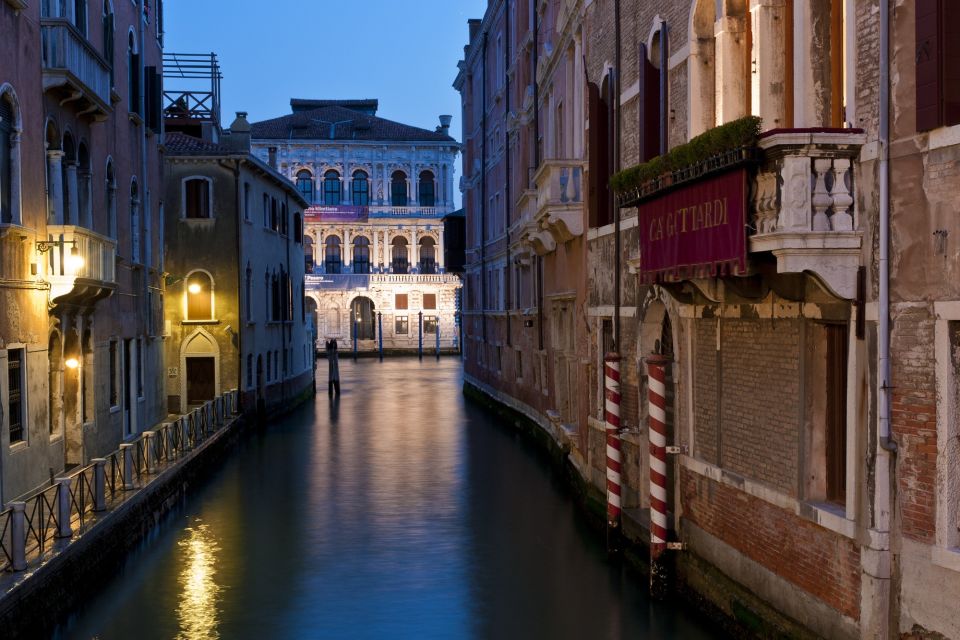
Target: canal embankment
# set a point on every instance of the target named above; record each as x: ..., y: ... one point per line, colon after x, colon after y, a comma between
x: 693, y: 581
x: 63, y: 543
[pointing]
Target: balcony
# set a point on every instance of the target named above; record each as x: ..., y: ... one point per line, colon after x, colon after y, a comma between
x: 404, y: 212
x: 560, y: 199
x: 81, y: 265
x: 73, y: 70
x: 803, y: 205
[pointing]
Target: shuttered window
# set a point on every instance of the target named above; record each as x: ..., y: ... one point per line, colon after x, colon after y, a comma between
x: 648, y: 107
x: 6, y: 169
x: 197, y: 203
x: 937, y: 63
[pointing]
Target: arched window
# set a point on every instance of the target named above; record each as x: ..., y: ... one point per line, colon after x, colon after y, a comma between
x: 398, y: 255
x: 197, y: 198
x: 199, y: 294
x: 110, y: 185
x: 80, y: 16
x: 133, y: 75
x: 305, y: 185
x: 360, y: 189
x: 398, y: 189
x: 297, y: 228
x: 9, y: 157
x: 331, y: 188
x: 427, y: 190
x: 134, y: 221
x: 108, y: 34
x: 428, y: 259
x: 84, y: 184
x: 332, y: 258
x: 361, y: 255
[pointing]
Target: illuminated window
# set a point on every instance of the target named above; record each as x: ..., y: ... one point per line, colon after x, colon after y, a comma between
x: 199, y: 293
x: 430, y: 324
x: 360, y: 189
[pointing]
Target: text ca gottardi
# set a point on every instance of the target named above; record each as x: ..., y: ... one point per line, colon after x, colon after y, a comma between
x: 698, y: 217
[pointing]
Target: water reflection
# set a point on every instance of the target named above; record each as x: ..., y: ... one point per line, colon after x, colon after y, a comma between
x: 199, y: 591
x: 396, y: 510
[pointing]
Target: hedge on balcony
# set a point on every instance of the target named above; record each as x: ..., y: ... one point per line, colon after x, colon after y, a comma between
x: 714, y: 142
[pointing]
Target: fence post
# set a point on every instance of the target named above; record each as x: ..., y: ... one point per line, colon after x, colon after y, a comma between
x: 18, y: 535
x: 148, y: 450
x: 127, y: 449
x: 63, y: 508
x: 99, y: 484
x: 184, y: 433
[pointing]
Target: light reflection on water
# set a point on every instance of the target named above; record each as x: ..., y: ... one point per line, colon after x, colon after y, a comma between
x: 200, y: 593
x: 398, y: 511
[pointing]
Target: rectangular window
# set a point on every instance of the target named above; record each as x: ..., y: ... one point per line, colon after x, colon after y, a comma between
x: 401, y: 301
x: 266, y: 210
x: 114, y: 375
x: 402, y: 326
x: 197, y: 198
x: 430, y: 324
x: 15, y: 387
x: 249, y: 371
x: 836, y: 382
x: 139, y: 367
x: 429, y: 301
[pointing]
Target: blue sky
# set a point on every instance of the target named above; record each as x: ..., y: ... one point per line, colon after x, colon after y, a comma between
x: 403, y: 53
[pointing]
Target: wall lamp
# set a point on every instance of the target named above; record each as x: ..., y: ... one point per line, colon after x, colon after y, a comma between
x: 74, y: 260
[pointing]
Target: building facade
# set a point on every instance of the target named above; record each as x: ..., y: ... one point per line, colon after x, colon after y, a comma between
x: 816, y: 446
x: 81, y: 288
x: 236, y: 317
x: 374, y: 235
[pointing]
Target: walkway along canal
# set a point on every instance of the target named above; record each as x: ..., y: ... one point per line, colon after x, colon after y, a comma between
x: 400, y: 510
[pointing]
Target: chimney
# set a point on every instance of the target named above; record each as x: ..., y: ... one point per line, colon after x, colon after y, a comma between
x: 239, y: 138
x: 445, y: 125
x: 272, y: 157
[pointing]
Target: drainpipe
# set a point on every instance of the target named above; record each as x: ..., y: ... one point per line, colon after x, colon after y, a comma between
x: 615, y: 90
x: 483, y: 189
x: 885, y: 441
x: 240, y: 274
x: 536, y: 162
x: 508, y: 202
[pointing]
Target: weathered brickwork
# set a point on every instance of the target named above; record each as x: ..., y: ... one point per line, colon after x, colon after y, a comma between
x: 705, y: 381
x: 914, y: 419
x: 868, y: 72
x: 822, y: 563
x: 760, y: 377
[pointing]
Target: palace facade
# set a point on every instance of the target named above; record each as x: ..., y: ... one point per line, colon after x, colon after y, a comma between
x: 374, y: 235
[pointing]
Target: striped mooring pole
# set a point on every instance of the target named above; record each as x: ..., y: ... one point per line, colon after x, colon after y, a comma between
x: 656, y: 366
x: 611, y: 416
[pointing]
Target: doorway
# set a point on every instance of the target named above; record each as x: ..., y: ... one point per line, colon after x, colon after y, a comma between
x: 361, y: 311
x: 201, y: 379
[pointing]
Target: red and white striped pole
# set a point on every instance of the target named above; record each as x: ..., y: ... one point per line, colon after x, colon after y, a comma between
x: 656, y: 364
x: 611, y: 416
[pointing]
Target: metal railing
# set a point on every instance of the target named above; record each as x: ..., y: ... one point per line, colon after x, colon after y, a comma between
x: 66, y: 50
x: 29, y: 527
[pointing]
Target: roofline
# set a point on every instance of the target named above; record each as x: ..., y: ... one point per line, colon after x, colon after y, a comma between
x: 254, y: 162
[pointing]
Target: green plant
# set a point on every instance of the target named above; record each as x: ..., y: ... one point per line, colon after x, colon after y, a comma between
x: 732, y: 135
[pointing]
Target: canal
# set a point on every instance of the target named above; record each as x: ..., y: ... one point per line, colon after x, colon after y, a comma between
x: 399, y: 511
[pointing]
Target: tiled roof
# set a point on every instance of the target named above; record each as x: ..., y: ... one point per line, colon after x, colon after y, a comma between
x: 334, y: 122
x: 180, y: 144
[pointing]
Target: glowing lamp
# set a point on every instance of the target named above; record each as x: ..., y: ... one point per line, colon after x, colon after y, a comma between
x: 72, y: 363
x: 74, y: 260
x: 194, y: 288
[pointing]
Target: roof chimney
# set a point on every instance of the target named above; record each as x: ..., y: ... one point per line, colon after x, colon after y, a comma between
x: 445, y: 125
x: 239, y: 138
x: 272, y: 157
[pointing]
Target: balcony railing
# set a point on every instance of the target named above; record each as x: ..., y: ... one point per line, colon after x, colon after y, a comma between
x: 81, y: 264
x: 401, y: 212
x: 73, y: 67
x: 804, y: 204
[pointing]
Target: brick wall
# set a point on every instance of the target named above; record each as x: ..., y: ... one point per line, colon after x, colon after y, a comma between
x: 705, y: 383
x: 822, y: 563
x: 914, y: 419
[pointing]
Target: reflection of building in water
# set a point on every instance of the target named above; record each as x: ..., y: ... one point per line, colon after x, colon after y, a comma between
x: 374, y: 239
x: 199, y: 592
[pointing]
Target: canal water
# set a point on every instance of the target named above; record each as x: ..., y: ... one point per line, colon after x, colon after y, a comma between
x: 400, y: 511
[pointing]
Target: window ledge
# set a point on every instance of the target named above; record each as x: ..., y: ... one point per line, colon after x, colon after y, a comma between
x: 946, y: 557
x: 20, y: 445
x: 943, y: 137
x: 198, y: 220
x: 115, y: 409
x: 190, y: 322
x: 12, y: 229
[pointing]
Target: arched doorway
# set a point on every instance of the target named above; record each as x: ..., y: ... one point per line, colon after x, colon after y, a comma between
x: 55, y: 385
x: 363, y: 317
x: 200, y: 366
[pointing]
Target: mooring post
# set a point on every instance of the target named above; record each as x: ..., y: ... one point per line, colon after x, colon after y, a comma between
x: 99, y: 484
x: 438, y: 339
x: 611, y: 416
x: 659, y: 578
x: 18, y: 535
x: 63, y: 508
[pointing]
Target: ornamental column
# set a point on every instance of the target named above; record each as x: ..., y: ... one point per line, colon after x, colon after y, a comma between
x: 55, y: 186
x: 441, y: 263
x: 73, y: 207
x: 376, y: 251
x: 347, y: 253
x: 414, y: 254
x: 15, y: 211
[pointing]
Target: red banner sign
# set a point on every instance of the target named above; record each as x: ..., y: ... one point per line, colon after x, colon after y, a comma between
x: 696, y: 230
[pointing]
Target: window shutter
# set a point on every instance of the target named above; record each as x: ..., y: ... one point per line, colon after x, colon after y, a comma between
x: 108, y: 44
x: 6, y: 174
x: 928, y: 80
x: 153, y: 95
x: 597, y: 156
x: 648, y: 107
x: 950, y: 19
